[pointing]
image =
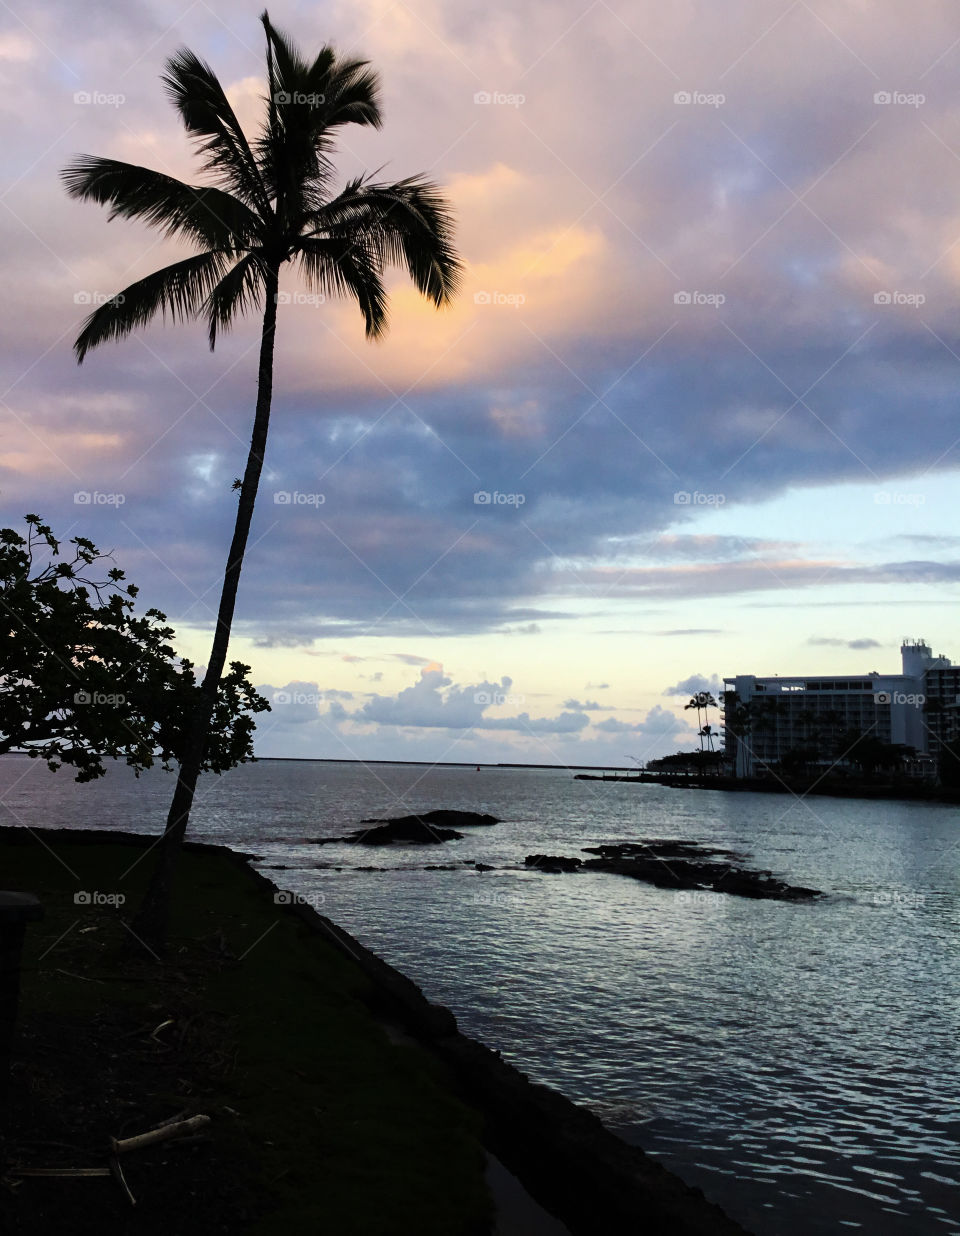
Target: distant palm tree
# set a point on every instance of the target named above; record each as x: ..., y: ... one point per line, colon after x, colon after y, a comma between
x: 696, y: 701
x: 707, y: 702
x: 270, y: 202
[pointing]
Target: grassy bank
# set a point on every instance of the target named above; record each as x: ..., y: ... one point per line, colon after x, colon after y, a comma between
x: 319, y: 1122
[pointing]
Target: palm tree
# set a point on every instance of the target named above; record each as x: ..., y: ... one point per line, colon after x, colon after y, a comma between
x: 268, y: 202
x: 707, y: 702
x: 696, y: 701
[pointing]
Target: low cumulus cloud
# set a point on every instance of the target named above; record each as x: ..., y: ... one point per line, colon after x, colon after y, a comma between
x: 694, y: 684
x: 658, y: 722
x: 433, y: 701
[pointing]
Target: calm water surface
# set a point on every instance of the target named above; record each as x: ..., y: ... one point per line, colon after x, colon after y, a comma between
x: 799, y: 1063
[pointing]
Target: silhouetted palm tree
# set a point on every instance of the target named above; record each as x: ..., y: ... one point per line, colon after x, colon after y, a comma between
x: 707, y: 702
x: 269, y: 202
x: 696, y: 701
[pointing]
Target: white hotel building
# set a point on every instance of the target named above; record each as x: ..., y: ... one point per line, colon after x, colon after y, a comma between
x: 917, y: 708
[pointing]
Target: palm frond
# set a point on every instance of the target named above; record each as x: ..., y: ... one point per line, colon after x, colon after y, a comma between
x: 345, y: 266
x: 205, y: 215
x: 236, y: 292
x: 409, y: 223
x: 308, y: 101
x: 195, y: 91
x: 179, y: 290
x: 352, y: 94
x: 290, y: 68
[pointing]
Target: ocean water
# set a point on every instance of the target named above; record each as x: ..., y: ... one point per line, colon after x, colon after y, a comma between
x: 797, y: 1062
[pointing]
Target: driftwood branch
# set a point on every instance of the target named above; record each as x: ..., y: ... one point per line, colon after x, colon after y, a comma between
x: 161, y: 1134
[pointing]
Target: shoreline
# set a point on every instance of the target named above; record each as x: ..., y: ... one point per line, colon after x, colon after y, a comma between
x: 564, y: 1157
x: 762, y: 785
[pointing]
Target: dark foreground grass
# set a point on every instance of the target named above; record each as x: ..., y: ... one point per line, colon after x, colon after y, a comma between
x: 319, y: 1122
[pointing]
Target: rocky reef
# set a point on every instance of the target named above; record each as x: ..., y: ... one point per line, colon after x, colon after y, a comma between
x: 677, y: 864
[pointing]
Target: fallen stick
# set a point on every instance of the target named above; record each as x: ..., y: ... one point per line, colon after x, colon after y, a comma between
x: 158, y: 1135
x: 83, y: 978
x: 119, y: 1177
x: 60, y: 1171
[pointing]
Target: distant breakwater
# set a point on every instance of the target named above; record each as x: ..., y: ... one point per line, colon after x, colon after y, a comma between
x: 832, y: 787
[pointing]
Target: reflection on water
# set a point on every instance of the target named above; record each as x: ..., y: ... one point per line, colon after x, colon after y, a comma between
x: 796, y: 1062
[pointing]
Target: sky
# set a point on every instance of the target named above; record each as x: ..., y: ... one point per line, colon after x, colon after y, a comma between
x: 693, y: 414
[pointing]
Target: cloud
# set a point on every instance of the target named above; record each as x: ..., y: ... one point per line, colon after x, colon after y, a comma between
x: 588, y: 706
x: 832, y: 642
x: 434, y: 702
x: 692, y: 631
x: 608, y: 405
x: 657, y: 723
x: 310, y: 720
x: 694, y: 684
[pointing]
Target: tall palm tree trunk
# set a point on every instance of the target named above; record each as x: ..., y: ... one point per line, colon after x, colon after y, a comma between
x: 151, y: 922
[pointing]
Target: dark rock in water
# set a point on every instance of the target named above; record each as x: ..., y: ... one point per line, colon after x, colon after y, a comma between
x: 553, y: 862
x: 430, y: 828
x: 441, y: 819
x: 483, y: 867
x: 409, y: 831
x: 442, y: 867
x: 656, y: 847
x: 678, y: 864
